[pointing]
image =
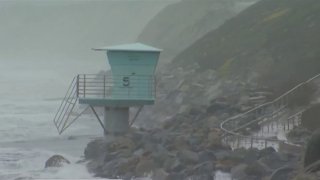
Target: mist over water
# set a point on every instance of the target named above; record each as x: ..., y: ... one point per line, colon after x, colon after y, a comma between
x: 43, y: 45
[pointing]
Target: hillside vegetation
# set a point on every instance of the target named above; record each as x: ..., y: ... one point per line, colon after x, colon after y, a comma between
x: 273, y: 41
x: 271, y: 46
x: 180, y: 24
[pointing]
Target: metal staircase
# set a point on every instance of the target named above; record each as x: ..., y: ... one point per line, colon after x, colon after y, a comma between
x: 67, y: 112
x: 97, y: 87
x: 274, y: 116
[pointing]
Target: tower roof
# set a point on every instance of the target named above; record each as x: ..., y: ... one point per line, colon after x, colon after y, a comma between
x: 130, y: 47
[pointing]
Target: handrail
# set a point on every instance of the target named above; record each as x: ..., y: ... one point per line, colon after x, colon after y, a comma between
x: 281, y: 101
x: 66, y: 107
x: 116, y: 86
x: 63, y: 105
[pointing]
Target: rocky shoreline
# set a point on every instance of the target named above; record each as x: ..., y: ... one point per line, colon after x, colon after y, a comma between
x: 189, y: 146
x: 139, y: 155
x: 181, y: 149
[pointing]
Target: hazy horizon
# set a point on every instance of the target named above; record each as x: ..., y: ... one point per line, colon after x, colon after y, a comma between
x: 54, y: 39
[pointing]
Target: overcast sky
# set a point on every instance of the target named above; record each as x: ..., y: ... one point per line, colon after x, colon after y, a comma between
x: 44, y: 43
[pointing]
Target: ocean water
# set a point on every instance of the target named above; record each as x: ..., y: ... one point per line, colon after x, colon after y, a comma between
x: 28, y: 138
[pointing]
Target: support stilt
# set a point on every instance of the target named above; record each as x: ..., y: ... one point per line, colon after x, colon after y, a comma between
x: 100, y: 122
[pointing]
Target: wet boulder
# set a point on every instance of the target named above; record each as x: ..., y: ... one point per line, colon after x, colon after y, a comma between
x: 310, y: 118
x: 282, y: 173
x: 144, y: 166
x: 239, y: 171
x: 96, y: 149
x: 267, y: 151
x: 201, y: 171
x: 56, y: 161
x: 160, y: 174
x: 256, y: 169
x: 188, y: 156
x: 312, y: 153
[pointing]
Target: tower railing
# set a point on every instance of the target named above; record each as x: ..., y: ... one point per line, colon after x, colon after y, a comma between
x: 270, y: 113
x: 116, y: 86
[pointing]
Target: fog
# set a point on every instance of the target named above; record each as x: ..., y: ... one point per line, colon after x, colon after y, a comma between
x: 236, y: 94
x: 45, y: 43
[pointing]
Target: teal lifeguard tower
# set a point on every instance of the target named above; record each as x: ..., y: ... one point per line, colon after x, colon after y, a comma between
x: 131, y: 83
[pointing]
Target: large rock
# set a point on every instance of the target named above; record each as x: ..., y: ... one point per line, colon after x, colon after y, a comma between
x: 173, y: 164
x: 121, y: 143
x: 311, y: 118
x: 275, y: 160
x: 175, y: 176
x: 144, y: 167
x: 312, y: 153
x: 188, y: 156
x: 120, y: 167
x: 96, y: 149
x: 282, y: 173
x: 299, y: 135
x: 214, y: 139
x: 56, y: 161
x: 160, y: 174
x: 267, y: 151
x: 238, y: 171
x: 306, y: 177
x: 201, y: 171
x: 212, y: 121
x: 207, y: 156
x: 242, y: 155
x: 314, y: 167
x: 256, y: 169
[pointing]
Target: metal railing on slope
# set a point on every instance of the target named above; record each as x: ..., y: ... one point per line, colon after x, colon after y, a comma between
x: 268, y: 112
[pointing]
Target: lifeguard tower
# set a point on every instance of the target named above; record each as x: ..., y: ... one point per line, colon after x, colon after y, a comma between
x: 131, y: 83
